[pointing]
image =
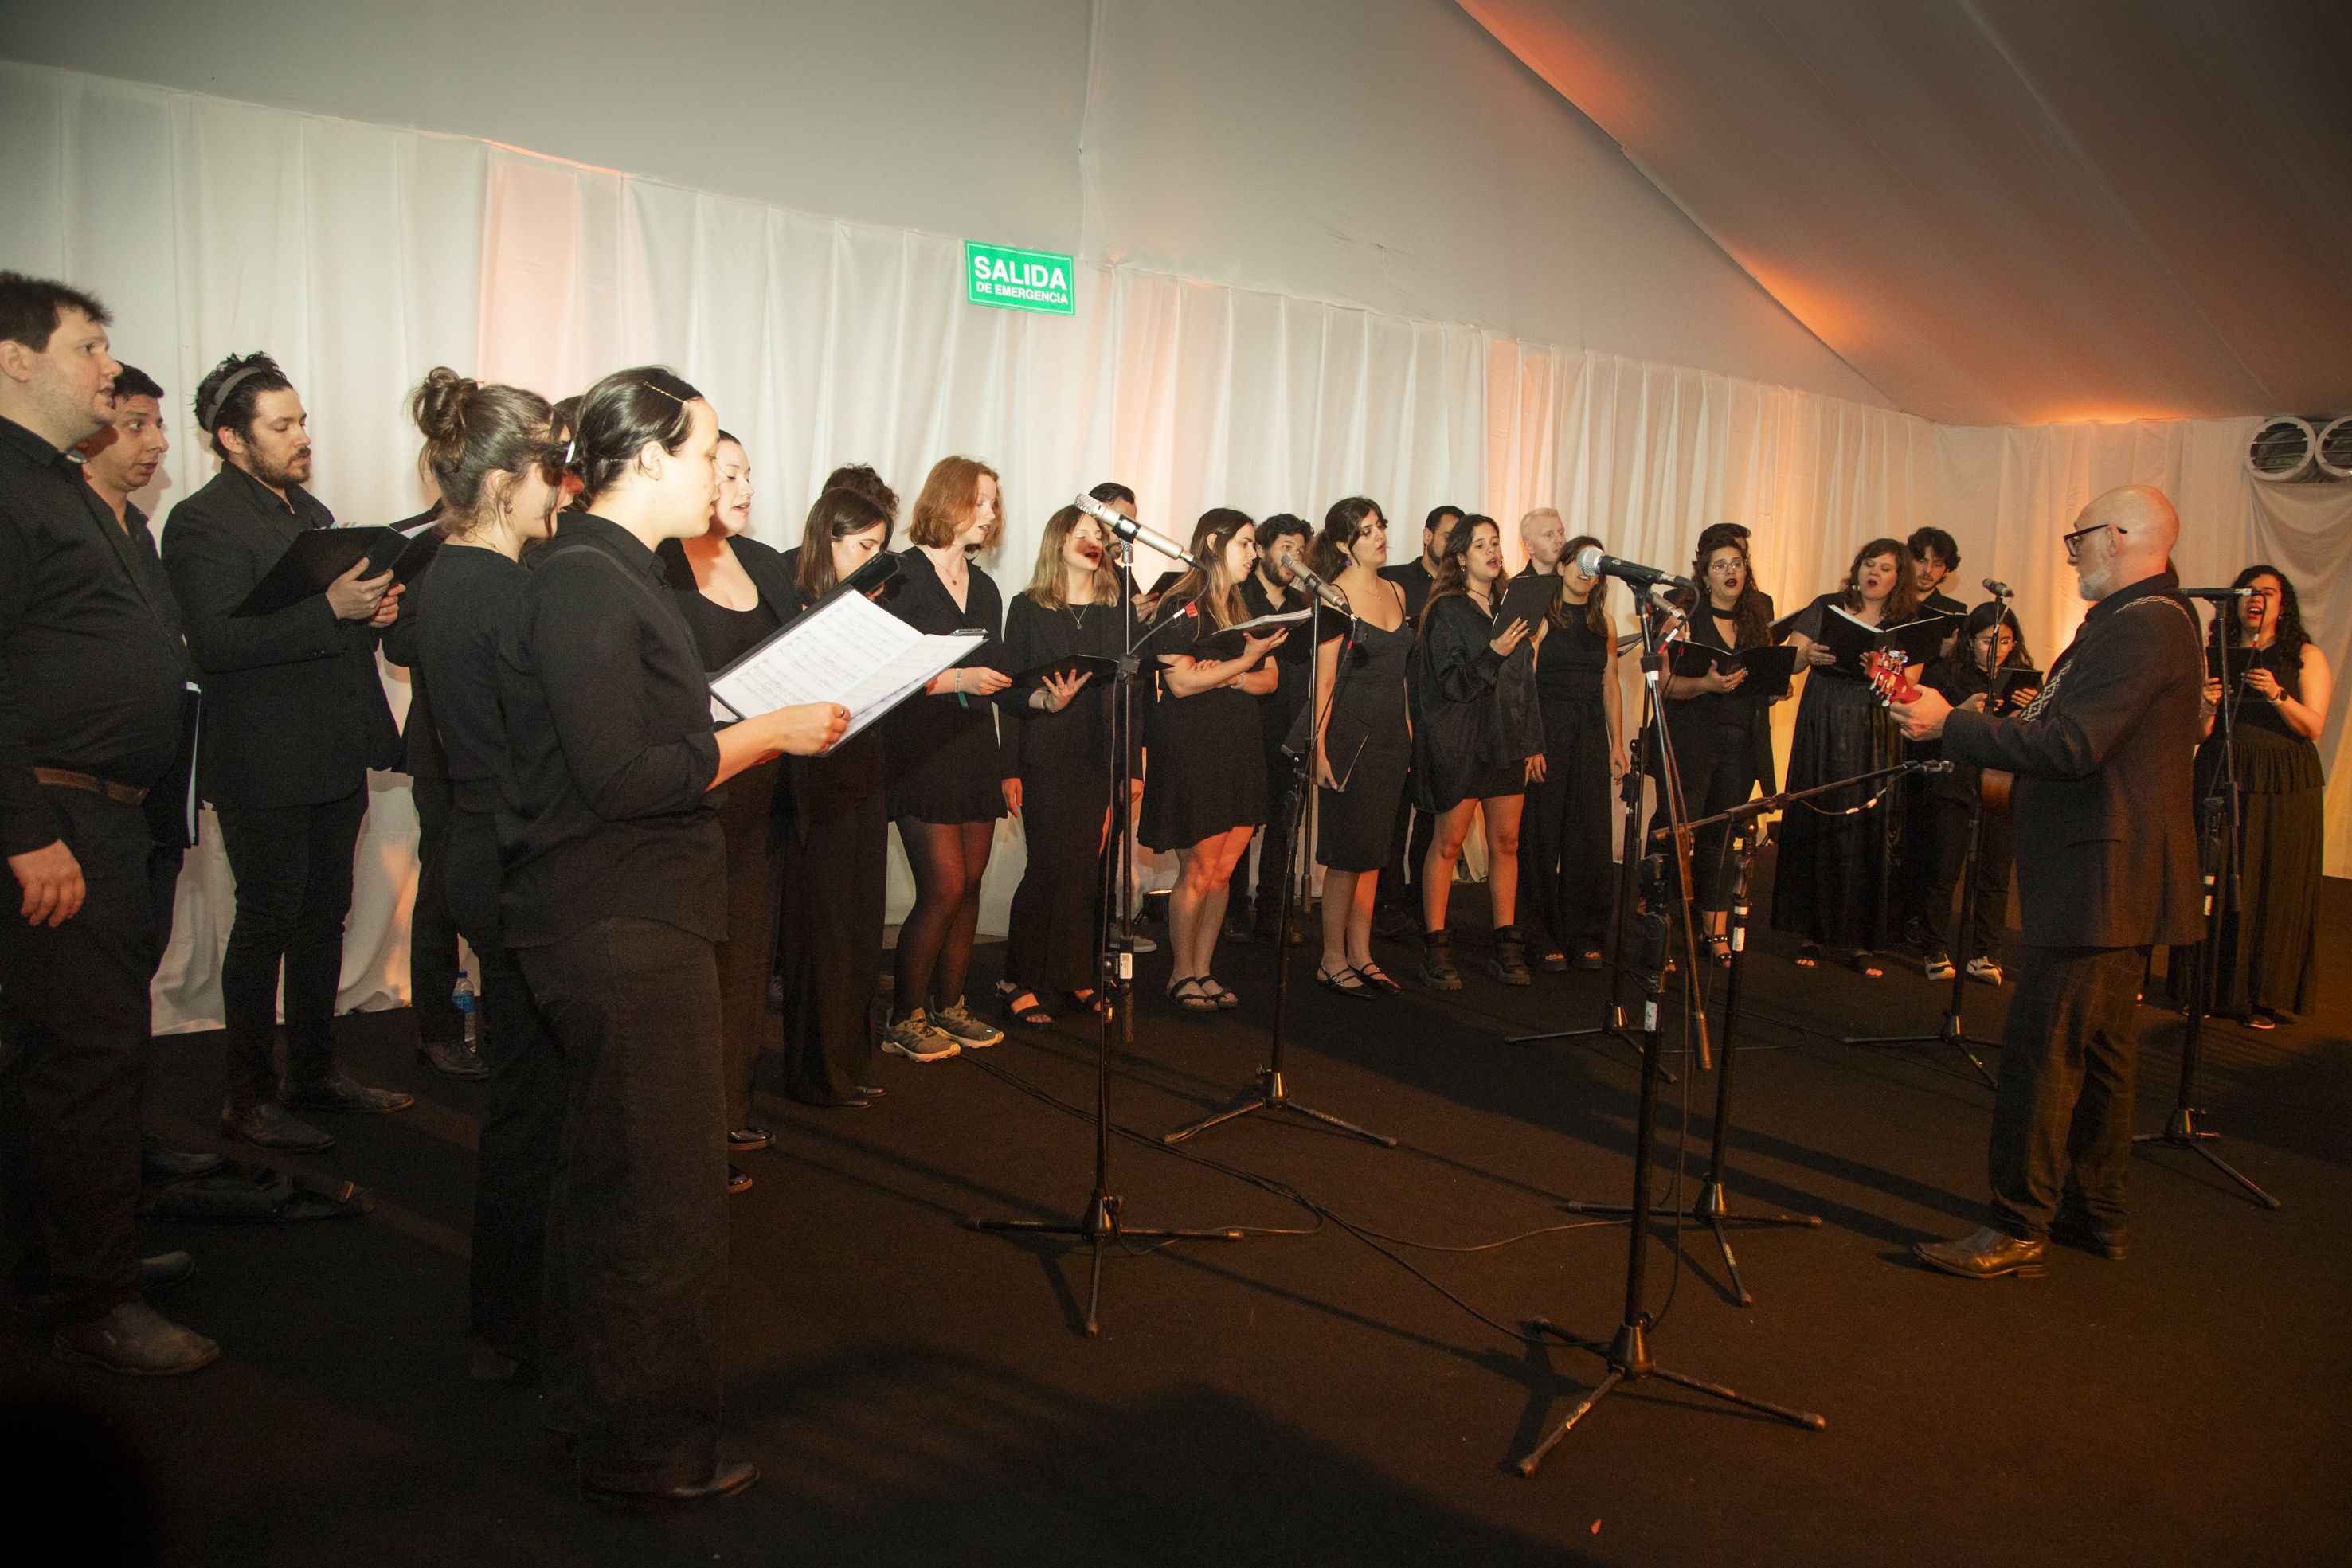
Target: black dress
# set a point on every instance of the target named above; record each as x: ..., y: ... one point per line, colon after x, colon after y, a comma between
x: 1370, y: 703
x: 1950, y: 797
x: 2270, y: 953
x: 945, y: 766
x: 833, y: 860
x: 1833, y: 882
x: 1476, y: 719
x: 1722, y: 752
x: 747, y: 808
x: 1564, y: 863
x: 1063, y: 760
x: 1207, y: 774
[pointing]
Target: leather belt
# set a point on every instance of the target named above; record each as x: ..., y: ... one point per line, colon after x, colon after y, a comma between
x: 64, y: 778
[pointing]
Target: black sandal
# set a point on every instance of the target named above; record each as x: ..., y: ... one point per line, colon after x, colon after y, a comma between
x: 1719, y: 947
x: 1808, y: 955
x: 1087, y: 1002
x: 1198, y: 1001
x: 1862, y: 964
x: 1219, y: 996
x: 1346, y: 980
x: 1377, y: 979
x: 1035, y: 1015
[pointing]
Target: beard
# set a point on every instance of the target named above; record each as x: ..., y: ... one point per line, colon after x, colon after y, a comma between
x: 278, y: 476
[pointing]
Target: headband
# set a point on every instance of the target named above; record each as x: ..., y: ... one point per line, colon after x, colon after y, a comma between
x: 209, y: 423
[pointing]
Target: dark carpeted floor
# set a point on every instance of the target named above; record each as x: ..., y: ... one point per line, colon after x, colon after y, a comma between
x: 914, y: 1391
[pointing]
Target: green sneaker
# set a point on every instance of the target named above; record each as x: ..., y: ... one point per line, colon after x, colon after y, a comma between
x: 955, y: 1021
x: 914, y: 1037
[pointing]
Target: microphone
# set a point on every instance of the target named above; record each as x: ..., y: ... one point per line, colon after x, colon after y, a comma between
x: 1332, y: 598
x: 2217, y: 595
x: 1127, y: 527
x: 1593, y: 563
x: 1998, y: 590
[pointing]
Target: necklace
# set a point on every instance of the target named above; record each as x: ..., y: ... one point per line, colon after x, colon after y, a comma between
x: 1078, y: 616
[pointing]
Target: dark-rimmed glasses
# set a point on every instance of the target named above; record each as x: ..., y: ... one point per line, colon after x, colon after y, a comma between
x: 2073, y: 541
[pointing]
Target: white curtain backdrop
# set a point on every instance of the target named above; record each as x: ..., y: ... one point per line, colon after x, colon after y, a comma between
x: 362, y: 256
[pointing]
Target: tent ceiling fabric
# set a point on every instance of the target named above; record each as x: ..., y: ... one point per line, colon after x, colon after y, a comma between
x: 2004, y: 212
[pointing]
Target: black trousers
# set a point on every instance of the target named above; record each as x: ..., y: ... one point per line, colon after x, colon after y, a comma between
x: 433, y: 967
x: 293, y: 871
x: 522, y: 1106
x: 2062, y: 1115
x: 836, y: 876
x: 1567, y: 877
x: 1948, y: 838
x: 73, y: 1060
x: 631, y: 1357
x: 1054, y: 937
x: 1273, y: 844
x: 748, y: 957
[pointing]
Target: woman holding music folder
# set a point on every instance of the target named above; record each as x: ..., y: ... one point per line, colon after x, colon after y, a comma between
x: 1720, y: 716
x: 1837, y: 850
x: 1989, y: 671
x: 615, y: 901
x: 1477, y: 738
x: 1204, y: 794
x: 1565, y: 873
x: 834, y: 842
x: 489, y: 453
x: 1365, y: 744
x: 1063, y: 637
x: 947, y: 771
x: 735, y: 592
x: 2268, y: 959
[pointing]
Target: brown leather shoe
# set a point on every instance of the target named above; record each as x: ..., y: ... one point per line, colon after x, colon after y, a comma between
x: 730, y: 1477
x: 452, y: 1059
x: 337, y: 1092
x: 1985, y: 1254
x: 273, y: 1126
x: 135, y: 1340
x: 2109, y: 1240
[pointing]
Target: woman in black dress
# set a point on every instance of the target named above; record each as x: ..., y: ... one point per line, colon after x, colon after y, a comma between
x: 488, y: 449
x: 947, y: 772
x: 834, y: 841
x: 1722, y: 733
x: 1478, y: 742
x: 1565, y: 871
x: 1057, y: 754
x: 1204, y: 792
x: 1831, y: 884
x: 734, y: 592
x: 2269, y: 958
x: 1991, y: 639
x: 1365, y: 745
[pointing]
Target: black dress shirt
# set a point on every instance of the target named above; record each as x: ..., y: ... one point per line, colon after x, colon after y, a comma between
x: 604, y: 808
x: 294, y: 711
x: 1415, y: 577
x: 420, y: 743
x: 473, y: 595
x: 92, y: 668
x: 1280, y: 709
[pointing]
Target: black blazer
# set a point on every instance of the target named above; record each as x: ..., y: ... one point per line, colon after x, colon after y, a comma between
x: 2107, y: 835
x: 770, y: 573
x: 294, y: 711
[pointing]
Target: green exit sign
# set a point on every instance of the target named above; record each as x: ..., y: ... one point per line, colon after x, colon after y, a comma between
x: 1018, y: 279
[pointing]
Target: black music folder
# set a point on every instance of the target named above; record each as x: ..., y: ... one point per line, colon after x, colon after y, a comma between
x: 1851, y: 637
x: 1770, y: 670
x: 1228, y: 643
x: 1528, y: 599
x: 319, y: 556
x: 2013, y: 689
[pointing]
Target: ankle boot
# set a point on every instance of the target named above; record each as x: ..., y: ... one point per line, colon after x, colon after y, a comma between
x: 1510, y: 962
x: 1437, y: 963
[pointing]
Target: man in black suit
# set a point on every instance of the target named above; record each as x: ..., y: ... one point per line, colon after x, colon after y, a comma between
x: 2107, y: 865
x: 1397, y: 903
x: 92, y: 683
x: 295, y: 717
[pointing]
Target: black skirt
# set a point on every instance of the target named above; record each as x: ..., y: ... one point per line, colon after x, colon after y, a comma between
x: 1353, y: 826
x: 1206, y: 771
x: 1831, y: 885
x: 2269, y: 946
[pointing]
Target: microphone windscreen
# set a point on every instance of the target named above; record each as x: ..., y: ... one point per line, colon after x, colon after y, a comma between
x: 1588, y: 560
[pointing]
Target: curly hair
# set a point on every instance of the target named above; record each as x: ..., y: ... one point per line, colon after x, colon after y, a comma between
x: 2289, y: 638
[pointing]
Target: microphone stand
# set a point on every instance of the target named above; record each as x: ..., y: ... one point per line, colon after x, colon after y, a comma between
x: 2218, y: 858
x: 1712, y: 1208
x: 1271, y: 1093
x: 1101, y: 1220
x: 1628, y: 1354
x: 1951, y: 1032
x: 1629, y: 859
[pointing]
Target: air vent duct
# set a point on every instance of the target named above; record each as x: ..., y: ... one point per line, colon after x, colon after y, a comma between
x: 2284, y: 450
x: 2336, y: 449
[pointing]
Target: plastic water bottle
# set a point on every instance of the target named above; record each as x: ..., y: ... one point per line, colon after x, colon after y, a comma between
x: 463, y: 998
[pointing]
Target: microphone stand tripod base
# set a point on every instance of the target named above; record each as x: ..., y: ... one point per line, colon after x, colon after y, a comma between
x: 1629, y: 1362
x: 1713, y: 1210
x: 2183, y: 1132
x: 1950, y: 1034
x: 1272, y: 1096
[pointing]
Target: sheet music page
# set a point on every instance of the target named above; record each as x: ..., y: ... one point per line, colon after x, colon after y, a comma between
x: 850, y: 652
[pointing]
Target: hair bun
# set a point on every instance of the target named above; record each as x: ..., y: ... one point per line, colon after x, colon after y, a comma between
x: 441, y: 405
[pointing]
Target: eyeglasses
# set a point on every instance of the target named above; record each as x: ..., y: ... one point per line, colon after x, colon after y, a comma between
x: 2073, y: 541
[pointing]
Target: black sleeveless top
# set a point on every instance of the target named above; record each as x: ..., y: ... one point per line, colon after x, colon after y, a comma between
x: 1571, y: 662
